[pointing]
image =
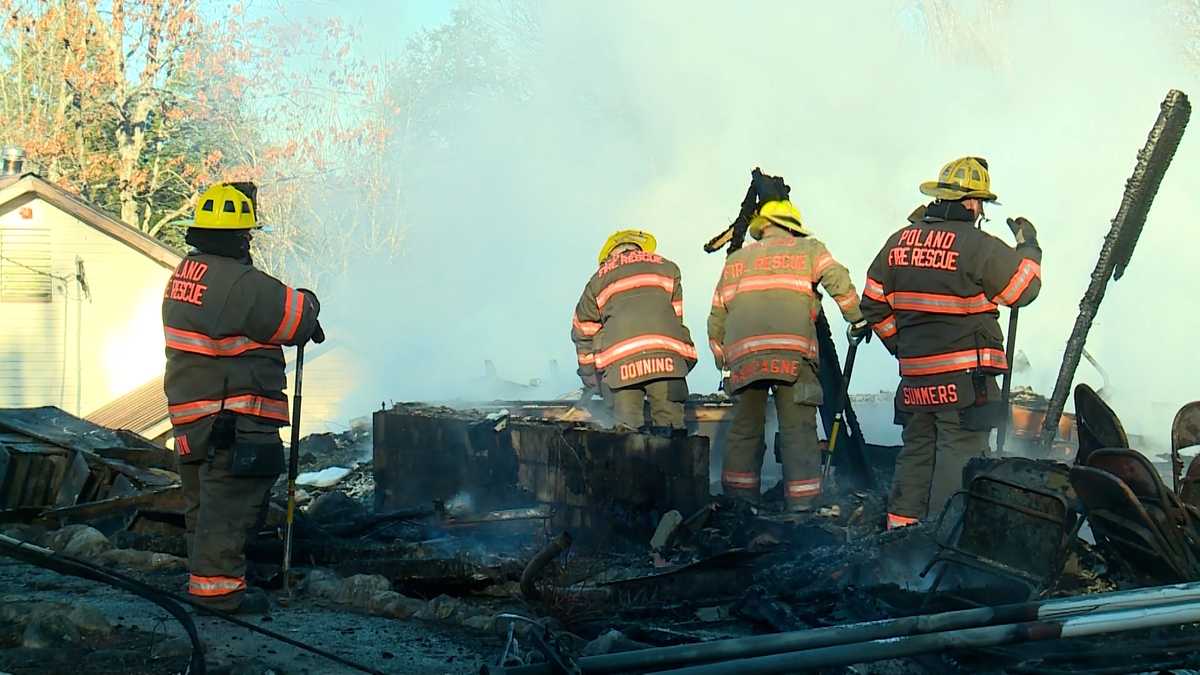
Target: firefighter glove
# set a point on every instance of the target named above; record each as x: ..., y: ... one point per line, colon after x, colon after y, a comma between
x: 858, y: 331
x: 1024, y: 232
x: 318, y: 335
x: 311, y: 296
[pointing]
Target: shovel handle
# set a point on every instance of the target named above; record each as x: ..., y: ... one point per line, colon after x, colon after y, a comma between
x: 293, y: 469
x: 843, y: 393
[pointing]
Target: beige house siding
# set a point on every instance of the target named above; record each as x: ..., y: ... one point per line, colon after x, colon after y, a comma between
x: 80, y: 350
x: 329, y: 374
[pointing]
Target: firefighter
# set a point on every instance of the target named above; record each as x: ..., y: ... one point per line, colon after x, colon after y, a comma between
x: 629, y: 334
x: 761, y: 331
x: 225, y: 324
x: 932, y: 295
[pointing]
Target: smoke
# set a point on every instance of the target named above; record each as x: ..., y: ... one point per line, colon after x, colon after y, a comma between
x: 652, y: 114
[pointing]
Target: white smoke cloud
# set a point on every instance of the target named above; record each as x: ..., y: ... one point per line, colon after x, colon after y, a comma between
x: 653, y: 114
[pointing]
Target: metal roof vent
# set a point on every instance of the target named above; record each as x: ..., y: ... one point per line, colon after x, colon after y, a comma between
x: 13, y: 161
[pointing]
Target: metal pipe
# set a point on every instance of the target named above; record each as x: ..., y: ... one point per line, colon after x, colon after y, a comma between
x: 987, y: 636
x: 762, y: 645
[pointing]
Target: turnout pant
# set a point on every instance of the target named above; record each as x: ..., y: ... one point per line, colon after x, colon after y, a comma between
x: 627, y: 404
x: 929, y: 467
x: 744, y: 446
x: 220, y: 509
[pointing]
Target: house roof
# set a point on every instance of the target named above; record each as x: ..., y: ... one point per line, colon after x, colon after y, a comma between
x: 140, y: 410
x: 15, y: 187
x: 144, y: 410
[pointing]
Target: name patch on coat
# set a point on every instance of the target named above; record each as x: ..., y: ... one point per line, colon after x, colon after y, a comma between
x: 929, y: 249
x: 644, y: 367
x: 939, y: 394
x: 948, y: 391
x: 185, y: 284
x: 756, y: 368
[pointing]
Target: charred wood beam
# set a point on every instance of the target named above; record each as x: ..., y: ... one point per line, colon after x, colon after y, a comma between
x: 1140, y: 189
x: 533, y: 571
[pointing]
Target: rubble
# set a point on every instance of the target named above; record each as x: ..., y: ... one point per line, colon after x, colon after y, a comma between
x: 655, y: 562
x: 57, y: 469
x: 601, y: 482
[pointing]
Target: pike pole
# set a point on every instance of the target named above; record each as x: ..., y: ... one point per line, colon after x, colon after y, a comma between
x: 293, y: 471
x: 1006, y: 389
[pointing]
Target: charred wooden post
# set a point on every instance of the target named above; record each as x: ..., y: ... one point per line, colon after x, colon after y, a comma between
x: 1140, y: 189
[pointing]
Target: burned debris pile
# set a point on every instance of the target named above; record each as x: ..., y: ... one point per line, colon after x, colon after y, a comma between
x: 561, y: 543
x: 57, y: 469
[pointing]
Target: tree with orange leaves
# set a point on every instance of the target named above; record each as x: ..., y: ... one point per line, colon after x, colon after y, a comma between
x: 137, y: 105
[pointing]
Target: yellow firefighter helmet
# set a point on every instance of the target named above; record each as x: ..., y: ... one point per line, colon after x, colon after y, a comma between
x: 643, y: 240
x: 780, y: 213
x: 964, y: 178
x: 224, y: 207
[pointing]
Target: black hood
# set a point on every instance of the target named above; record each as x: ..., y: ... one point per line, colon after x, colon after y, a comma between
x: 226, y: 243
x: 947, y: 210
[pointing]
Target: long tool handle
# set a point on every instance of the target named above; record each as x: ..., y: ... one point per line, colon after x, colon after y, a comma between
x: 1006, y: 390
x: 843, y: 394
x: 293, y: 469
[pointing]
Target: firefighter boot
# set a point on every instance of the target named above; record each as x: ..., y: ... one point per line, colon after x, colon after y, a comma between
x: 800, y: 455
x: 744, y: 448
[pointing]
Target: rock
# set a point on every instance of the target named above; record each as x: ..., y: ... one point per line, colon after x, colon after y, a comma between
x: 482, y: 622
x: 335, y: 507
x: 610, y: 643
x: 50, y: 631
x: 147, y: 561
x: 78, y: 541
x: 322, y: 584
x: 89, y: 620
x: 82, y: 619
x: 666, y: 527
x: 172, y: 648
x: 443, y: 608
x: 379, y: 601
x: 27, y: 533
x: 402, y: 607
x: 359, y: 589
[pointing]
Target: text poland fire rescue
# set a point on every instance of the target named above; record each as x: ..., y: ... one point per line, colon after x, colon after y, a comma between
x: 185, y: 284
